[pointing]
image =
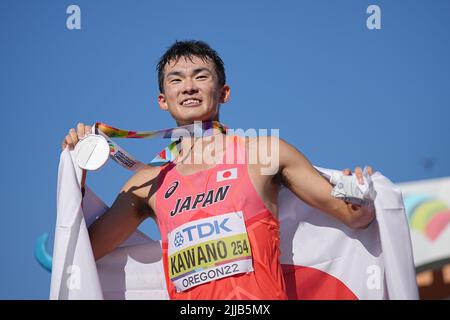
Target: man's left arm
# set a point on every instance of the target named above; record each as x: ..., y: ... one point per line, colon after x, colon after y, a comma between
x: 305, y: 182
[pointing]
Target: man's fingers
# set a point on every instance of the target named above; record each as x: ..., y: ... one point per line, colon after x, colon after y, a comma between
x: 87, y: 130
x: 63, y: 144
x: 359, y: 175
x: 81, y: 130
x: 73, y: 135
x: 69, y: 141
x: 369, y: 170
x: 72, y: 138
x: 352, y: 206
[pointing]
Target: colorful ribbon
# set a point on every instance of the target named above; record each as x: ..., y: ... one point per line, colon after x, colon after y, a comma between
x: 169, y: 153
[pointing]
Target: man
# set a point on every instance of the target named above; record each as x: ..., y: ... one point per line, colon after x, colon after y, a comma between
x: 187, y: 197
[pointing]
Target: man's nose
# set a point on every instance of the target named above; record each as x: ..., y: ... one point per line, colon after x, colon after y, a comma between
x: 189, y: 86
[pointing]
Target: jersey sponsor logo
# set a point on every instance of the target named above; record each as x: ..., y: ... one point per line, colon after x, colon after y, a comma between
x: 202, y: 230
x: 170, y: 191
x: 201, y: 200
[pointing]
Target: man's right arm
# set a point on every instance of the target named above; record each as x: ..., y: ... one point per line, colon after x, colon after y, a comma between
x: 128, y: 211
x: 130, y: 208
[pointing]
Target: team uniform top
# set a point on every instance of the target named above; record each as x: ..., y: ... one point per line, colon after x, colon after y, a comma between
x: 219, y: 240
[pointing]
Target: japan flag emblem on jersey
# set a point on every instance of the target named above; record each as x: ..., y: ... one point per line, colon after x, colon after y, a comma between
x: 228, y: 174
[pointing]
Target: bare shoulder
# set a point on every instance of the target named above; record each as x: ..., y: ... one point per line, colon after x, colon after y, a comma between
x: 143, y: 183
x: 263, y: 143
x: 274, y: 152
x: 263, y: 153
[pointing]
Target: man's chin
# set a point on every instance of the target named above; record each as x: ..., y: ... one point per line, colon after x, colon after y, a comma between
x: 184, y: 122
x: 183, y: 119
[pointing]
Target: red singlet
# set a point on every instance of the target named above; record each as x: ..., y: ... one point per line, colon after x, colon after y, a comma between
x: 225, y: 188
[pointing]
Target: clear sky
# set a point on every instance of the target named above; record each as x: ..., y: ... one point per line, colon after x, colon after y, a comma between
x: 344, y: 95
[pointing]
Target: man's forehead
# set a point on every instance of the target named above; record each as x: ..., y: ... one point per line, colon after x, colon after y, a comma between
x: 186, y: 63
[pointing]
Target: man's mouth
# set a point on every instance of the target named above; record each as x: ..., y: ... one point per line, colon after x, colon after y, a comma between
x: 191, y: 102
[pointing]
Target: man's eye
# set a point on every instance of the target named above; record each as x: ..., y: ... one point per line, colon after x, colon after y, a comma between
x: 174, y: 80
x: 202, y: 77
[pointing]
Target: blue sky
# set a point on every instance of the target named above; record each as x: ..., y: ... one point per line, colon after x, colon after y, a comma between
x: 342, y: 94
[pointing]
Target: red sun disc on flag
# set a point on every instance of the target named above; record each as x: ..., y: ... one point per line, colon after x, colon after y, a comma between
x: 301, y: 284
x: 226, y: 174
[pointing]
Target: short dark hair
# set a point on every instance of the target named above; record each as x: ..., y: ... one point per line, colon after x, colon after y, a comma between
x: 189, y: 49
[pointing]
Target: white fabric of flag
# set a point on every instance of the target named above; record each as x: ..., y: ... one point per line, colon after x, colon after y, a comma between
x: 321, y: 257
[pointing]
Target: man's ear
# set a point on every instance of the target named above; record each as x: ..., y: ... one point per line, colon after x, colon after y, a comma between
x: 162, y: 102
x: 225, y: 94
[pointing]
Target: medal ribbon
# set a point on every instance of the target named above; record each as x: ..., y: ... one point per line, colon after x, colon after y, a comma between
x: 169, y: 153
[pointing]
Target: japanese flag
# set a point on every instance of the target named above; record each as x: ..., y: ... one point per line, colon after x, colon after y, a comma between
x: 321, y: 257
x: 228, y: 174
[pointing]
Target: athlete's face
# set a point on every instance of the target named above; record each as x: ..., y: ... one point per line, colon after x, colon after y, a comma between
x: 192, y: 91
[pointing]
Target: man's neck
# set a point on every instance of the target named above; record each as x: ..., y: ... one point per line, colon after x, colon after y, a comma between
x: 188, y: 122
x: 211, y: 142
x: 195, y: 149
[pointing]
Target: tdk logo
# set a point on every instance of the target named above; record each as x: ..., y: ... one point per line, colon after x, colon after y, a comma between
x: 207, y: 229
x: 179, y: 239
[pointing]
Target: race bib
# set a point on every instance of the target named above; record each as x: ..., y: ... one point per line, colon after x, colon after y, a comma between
x: 208, y: 249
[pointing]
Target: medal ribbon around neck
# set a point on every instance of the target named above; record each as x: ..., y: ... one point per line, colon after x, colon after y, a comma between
x: 168, y: 154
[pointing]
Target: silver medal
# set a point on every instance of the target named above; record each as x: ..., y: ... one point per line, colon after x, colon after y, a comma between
x: 92, y: 152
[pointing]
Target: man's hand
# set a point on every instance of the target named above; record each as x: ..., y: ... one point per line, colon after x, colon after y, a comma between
x: 299, y: 176
x: 367, y: 213
x: 358, y: 173
x: 72, y: 138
